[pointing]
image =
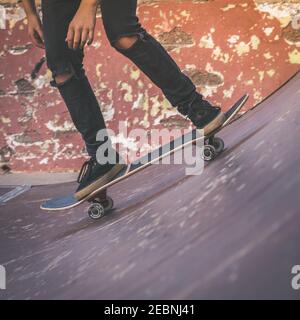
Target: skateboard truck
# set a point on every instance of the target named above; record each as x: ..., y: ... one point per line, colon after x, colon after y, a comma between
x: 100, y: 205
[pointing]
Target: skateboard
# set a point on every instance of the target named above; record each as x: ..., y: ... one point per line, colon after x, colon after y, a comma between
x: 101, y: 203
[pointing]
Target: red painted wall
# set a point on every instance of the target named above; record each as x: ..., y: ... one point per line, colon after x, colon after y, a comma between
x: 228, y: 48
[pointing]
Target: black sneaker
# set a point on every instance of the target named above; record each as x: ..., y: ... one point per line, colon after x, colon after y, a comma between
x: 93, y: 176
x: 203, y: 115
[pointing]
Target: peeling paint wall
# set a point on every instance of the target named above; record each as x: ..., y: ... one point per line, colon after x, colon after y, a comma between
x: 227, y: 47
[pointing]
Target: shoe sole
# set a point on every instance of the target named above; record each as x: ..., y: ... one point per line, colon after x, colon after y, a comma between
x: 105, y: 179
x: 215, y: 124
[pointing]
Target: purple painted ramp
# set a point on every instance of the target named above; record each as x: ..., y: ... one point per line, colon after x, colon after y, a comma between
x: 232, y: 232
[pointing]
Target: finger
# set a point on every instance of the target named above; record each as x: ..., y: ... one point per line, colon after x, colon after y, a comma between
x: 70, y: 37
x: 33, y: 39
x: 40, y: 38
x: 77, y: 39
x: 39, y: 44
x: 90, y: 37
x: 84, y: 38
x: 41, y: 34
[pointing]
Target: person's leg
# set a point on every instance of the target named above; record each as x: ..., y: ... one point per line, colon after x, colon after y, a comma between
x: 126, y: 35
x: 68, y: 72
x: 69, y: 77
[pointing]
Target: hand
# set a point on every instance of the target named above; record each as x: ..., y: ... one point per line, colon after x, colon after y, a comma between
x: 82, y: 27
x: 35, y: 31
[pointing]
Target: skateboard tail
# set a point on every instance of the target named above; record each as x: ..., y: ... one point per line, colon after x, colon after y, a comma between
x: 230, y: 114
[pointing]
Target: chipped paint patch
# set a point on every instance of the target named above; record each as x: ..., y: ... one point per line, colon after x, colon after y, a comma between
x: 294, y: 57
x: 5, y: 120
x: 268, y: 55
x: 283, y: 11
x: 12, y: 16
x: 3, y: 17
x: 227, y: 94
x: 268, y: 31
x: 128, y: 96
x: 242, y: 48
x: 66, y: 126
x: 135, y: 74
x: 261, y: 75
x: 233, y: 39
x: 292, y: 35
x: 271, y: 73
x: 176, y: 39
x: 228, y: 7
x: 219, y: 55
x: 207, y: 42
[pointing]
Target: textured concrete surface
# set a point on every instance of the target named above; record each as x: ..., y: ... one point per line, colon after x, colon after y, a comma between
x: 34, y: 179
x: 228, y: 47
x: 232, y: 232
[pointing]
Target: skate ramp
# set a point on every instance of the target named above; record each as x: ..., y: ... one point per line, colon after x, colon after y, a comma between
x: 226, y: 47
x: 232, y: 232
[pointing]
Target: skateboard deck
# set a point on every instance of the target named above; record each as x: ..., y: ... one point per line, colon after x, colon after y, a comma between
x: 101, y: 203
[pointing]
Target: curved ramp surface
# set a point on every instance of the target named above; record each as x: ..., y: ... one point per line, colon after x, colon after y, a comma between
x: 232, y: 232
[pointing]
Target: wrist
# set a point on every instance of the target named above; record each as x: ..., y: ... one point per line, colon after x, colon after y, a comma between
x: 32, y: 16
x: 91, y: 3
x: 29, y: 8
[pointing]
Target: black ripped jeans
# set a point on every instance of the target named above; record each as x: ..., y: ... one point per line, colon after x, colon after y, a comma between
x: 119, y: 19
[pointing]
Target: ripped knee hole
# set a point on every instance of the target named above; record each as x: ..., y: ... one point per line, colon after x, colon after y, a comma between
x: 63, y: 78
x: 126, y: 43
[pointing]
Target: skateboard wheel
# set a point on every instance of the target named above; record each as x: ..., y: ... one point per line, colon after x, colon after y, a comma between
x: 209, y: 153
x: 96, y: 211
x: 218, y: 144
